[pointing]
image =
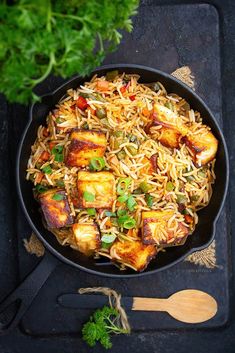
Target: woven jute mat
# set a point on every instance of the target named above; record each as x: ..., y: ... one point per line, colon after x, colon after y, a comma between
x: 206, y: 257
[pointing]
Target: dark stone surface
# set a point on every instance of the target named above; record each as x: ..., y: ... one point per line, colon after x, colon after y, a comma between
x: 187, y: 35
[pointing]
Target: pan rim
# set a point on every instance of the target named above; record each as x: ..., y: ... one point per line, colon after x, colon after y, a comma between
x: 145, y: 272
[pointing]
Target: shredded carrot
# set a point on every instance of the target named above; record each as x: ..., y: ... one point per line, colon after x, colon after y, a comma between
x: 146, y: 112
x: 45, y: 132
x: 39, y: 178
x: 52, y: 145
x: 114, y: 160
x: 44, y: 156
x: 108, y: 223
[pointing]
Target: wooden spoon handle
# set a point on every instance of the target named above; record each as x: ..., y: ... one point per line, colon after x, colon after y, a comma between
x: 149, y: 304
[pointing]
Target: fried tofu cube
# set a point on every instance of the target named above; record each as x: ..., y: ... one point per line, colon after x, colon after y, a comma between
x: 172, y: 128
x: 133, y: 253
x: 156, y: 229
x: 85, y: 144
x: 204, y: 147
x: 55, y: 207
x: 96, y: 189
x: 87, y: 237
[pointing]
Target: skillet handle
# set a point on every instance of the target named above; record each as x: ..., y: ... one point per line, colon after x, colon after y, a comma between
x: 14, y: 306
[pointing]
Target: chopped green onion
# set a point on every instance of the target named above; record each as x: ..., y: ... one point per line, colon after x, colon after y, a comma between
x: 144, y: 186
x: 110, y: 214
x: 59, y: 158
x: 105, y: 245
x: 105, y: 122
x: 40, y: 188
x: 169, y: 186
x: 118, y: 133
x: 58, y: 120
x: 133, y: 151
x: 116, y: 144
x: 122, y: 198
x: 83, y: 94
x: 149, y: 200
x: 155, y: 87
x: 121, y: 213
x: 110, y: 76
x: 131, y: 203
x: 123, y: 185
x: 108, y: 238
x: 189, y: 178
x: 57, y: 197
x: 101, y: 113
x: 47, y: 169
x: 137, y: 191
x: 60, y: 183
x: 58, y: 153
x: 85, y: 126
x: 194, y: 198
x: 132, y: 138
x: 88, y: 196
x: 127, y: 222
x: 97, y: 97
x: 97, y: 163
x: 202, y: 173
x: 169, y: 105
x: 57, y: 149
x: 181, y: 198
x: 91, y: 211
x: 121, y: 155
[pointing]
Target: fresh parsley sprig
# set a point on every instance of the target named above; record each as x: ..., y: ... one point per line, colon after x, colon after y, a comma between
x: 60, y: 37
x: 101, y: 325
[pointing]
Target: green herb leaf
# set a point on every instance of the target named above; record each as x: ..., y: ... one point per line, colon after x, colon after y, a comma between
x: 88, y: 196
x: 39, y: 38
x: 57, y: 197
x: 47, y: 169
x: 100, y: 326
x: 91, y: 211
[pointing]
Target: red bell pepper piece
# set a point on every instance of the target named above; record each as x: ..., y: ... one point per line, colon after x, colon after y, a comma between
x: 81, y: 103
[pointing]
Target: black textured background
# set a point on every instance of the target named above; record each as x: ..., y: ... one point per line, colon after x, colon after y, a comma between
x: 166, y: 37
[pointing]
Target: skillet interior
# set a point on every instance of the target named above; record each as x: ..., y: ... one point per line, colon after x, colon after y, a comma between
x: 205, y: 229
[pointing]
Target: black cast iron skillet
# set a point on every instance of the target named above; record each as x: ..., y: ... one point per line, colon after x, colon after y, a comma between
x: 201, y: 238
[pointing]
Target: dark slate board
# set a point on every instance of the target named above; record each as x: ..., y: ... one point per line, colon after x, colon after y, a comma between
x: 167, y: 20
x: 165, y: 37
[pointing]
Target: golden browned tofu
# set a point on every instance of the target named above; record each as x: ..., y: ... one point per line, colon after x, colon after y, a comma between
x: 85, y: 144
x: 96, y: 189
x: 87, y: 237
x: 156, y: 229
x: 172, y: 128
x: 204, y: 147
x: 55, y: 207
x: 133, y: 253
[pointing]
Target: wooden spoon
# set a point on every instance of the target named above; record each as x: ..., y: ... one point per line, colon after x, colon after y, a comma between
x: 190, y: 305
